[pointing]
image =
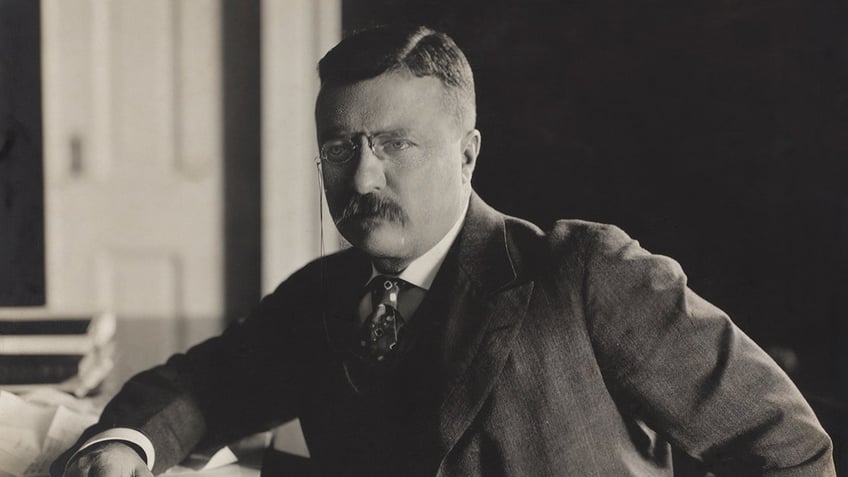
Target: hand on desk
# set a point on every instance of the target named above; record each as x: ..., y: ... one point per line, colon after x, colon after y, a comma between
x: 109, y: 459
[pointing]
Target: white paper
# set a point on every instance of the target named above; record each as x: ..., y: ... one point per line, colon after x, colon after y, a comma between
x: 33, y: 435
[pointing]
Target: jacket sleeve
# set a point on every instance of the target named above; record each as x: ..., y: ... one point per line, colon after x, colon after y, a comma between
x: 241, y: 382
x: 677, y: 362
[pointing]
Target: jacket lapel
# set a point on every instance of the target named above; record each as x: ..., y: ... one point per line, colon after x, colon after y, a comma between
x: 485, y: 299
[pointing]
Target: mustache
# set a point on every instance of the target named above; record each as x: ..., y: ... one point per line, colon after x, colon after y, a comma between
x: 371, y: 205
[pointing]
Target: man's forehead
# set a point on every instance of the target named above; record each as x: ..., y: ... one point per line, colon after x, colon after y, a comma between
x: 390, y: 102
x: 336, y: 122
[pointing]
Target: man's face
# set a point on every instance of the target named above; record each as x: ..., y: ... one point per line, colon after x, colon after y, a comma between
x: 397, y: 202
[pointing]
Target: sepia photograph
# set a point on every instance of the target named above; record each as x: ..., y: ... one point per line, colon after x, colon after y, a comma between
x: 263, y: 238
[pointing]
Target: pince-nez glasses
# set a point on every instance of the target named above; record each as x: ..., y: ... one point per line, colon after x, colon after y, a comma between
x: 384, y: 146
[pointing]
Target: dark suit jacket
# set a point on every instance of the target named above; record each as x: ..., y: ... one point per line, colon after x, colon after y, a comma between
x: 566, y: 352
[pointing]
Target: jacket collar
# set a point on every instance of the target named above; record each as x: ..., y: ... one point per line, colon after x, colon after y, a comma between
x: 484, y: 257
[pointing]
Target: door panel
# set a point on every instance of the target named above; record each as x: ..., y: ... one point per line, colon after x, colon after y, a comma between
x: 133, y: 156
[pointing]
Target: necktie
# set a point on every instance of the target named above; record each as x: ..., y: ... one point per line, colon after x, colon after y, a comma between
x: 382, y: 329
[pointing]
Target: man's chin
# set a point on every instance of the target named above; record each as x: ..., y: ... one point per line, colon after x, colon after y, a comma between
x: 377, y: 238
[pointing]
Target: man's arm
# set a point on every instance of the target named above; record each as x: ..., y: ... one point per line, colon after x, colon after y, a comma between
x: 679, y: 363
x: 241, y: 382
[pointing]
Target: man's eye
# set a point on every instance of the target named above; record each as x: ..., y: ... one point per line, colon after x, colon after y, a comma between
x: 336, y: 151
x: 396, y: 145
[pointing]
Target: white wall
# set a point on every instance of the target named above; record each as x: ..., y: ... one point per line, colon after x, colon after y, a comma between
x: 295, y: 35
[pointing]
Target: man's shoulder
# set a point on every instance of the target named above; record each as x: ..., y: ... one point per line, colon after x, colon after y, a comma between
x: 324, y: 269
x: 564, y: 238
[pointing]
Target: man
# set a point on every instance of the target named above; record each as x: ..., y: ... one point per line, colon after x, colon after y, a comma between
x: 453, y: 340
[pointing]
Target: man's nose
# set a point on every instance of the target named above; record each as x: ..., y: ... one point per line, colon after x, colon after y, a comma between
x: 369, y: 175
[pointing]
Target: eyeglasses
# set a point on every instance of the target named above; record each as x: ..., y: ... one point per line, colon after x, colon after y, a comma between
x: 384, y: 146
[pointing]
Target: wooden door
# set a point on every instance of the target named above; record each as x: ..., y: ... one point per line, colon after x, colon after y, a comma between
x: 133, y: 156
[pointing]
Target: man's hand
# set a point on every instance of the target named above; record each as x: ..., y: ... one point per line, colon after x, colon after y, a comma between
x: 108, y: 459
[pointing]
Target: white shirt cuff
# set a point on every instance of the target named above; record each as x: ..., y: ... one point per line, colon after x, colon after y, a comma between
x: 123, y: 434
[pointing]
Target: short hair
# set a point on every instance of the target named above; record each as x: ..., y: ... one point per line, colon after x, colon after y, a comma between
x: 418, y: 50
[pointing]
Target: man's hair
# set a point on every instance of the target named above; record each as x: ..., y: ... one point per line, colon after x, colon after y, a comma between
x: 417, y: 50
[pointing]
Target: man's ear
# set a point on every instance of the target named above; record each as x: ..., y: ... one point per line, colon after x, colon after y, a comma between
x: 470, y: 151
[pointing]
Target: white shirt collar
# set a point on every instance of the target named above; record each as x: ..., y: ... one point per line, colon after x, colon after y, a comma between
x: 422, y: 271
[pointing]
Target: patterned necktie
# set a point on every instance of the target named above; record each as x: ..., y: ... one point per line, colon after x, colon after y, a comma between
x: 381, y: 330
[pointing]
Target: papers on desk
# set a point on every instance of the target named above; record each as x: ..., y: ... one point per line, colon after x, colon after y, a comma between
x: 204, y: 461
x: 33, y: 434
x: 36, y: 427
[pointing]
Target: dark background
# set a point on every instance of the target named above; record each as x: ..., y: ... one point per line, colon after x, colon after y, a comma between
x: 21, y: 186
x: 715, y: 132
